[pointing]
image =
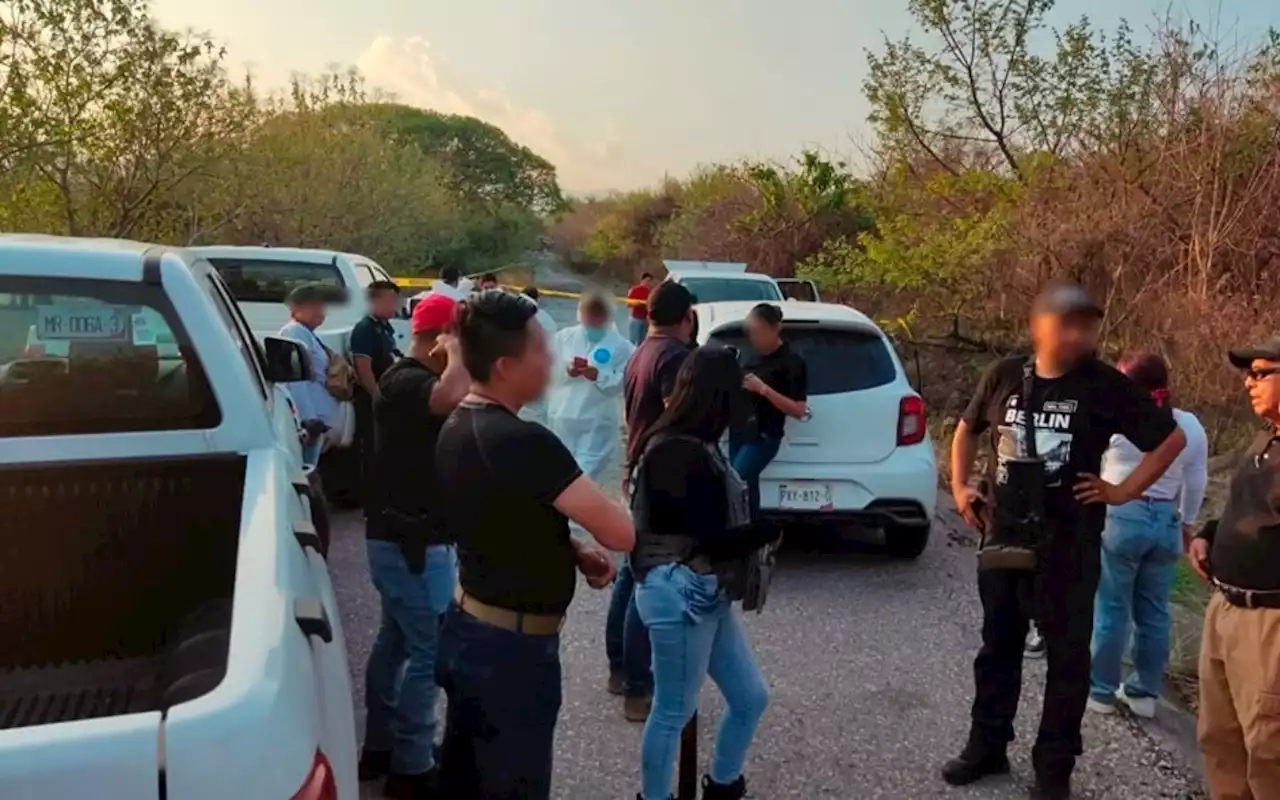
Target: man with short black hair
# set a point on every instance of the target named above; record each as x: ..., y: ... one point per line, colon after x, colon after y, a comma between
x: 373, y: 350
x: 1239, y: 553
x: 512, y: 487
x: 410, y: 557
x: 650, y: 379
x: 1050, y: 418
x: 488, y: 281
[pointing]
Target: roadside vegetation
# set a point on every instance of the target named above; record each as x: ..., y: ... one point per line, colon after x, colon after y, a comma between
x: 113, y: 126
x: 1144, y: 163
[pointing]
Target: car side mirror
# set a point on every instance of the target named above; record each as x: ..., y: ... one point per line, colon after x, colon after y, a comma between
x: 287, y: 360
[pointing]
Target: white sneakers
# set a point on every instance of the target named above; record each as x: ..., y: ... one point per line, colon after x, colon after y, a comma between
x: 1144, y: 707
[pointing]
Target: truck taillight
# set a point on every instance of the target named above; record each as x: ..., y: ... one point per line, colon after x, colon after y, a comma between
x: 911, y: 421
x: 319, y: 783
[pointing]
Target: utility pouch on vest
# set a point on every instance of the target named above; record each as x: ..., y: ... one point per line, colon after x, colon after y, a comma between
x: 1018, y: 529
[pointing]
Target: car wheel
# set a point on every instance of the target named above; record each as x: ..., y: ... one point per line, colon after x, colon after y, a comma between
x: 906, y: 541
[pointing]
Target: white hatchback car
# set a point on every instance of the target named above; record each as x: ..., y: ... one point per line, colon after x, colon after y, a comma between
x: 863, y: 457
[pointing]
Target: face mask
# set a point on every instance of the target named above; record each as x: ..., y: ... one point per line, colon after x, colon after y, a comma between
x: 594, y: 334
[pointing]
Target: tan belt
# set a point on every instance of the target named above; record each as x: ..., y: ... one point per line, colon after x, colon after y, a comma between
x: 505, y: 618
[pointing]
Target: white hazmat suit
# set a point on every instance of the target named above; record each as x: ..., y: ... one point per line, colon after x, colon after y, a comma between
x: 587, y: 414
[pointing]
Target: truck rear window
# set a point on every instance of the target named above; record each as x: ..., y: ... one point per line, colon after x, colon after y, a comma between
x: 717, y: 290
x: 88, y: 356
x: 838, y: 360
x: 267, y: 281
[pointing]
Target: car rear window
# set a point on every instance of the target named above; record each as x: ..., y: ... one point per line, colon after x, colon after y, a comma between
x: 88, y: 356
x: 268, y: 281
x: 717, y: 290
x: 838, y: 360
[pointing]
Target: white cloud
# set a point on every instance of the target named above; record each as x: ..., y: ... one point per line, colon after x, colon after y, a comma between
x: 410, y: 70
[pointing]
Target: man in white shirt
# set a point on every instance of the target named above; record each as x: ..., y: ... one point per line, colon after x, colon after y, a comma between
x: 317, y: 409
x: 1141, y: 543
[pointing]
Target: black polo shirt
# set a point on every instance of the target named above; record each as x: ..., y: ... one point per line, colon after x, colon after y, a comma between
x: 785, y: 372
x: 1245, y: 540
x: 376, y: 340
x: 502, y: 476
x: 404, y: 453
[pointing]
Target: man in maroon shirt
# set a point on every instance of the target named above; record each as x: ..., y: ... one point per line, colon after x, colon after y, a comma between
x: 649, y: 380
x: 639, y: 304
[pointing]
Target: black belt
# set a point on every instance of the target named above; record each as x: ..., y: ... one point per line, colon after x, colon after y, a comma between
x: 1248, y: 598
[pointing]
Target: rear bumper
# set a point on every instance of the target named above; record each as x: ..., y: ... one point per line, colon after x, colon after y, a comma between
x: 901, y: 490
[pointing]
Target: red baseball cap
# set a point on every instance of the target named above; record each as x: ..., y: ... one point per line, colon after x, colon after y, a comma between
x: 434, y: 312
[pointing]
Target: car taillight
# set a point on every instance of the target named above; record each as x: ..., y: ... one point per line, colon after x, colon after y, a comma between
x: 911, y: 422
x: 319, y: 783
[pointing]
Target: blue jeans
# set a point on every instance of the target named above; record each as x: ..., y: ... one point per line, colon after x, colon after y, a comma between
x: 626, y: 642
x: 1141, y: 544
x: 311, y: 452
x: 400, y: 680
x: 637, y: 329
x: 695, y: 633
x: 749, y: 459
x: 504, y: 698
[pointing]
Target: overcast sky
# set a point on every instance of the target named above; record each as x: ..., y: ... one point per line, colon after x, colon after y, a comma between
x: 616, y: 93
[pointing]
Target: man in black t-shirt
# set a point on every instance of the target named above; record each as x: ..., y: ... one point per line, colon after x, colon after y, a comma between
x: 512, y: 489
x: 410, y: 559
x: 1239, y: 553
x: 373, y: 351
x: 1076, y: 404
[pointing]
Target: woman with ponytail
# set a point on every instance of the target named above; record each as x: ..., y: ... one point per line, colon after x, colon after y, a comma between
x: 1141, y: 543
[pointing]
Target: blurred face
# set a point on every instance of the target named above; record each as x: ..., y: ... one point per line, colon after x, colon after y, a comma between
x: 1263, y: 382
x: 1066, y: 338
x: 527, y: 375
x: 594, y: 317
x: 488, y: 284
x: 647, y: 282
x: 764, y: 337
x: 384, y: 305
x: 309, y: 314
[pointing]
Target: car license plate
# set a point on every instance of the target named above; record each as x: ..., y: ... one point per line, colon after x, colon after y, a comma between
x: 805, y: 496
x: 54, y: 323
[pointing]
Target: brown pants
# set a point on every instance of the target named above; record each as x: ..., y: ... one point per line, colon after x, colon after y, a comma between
x: 1239, y: 727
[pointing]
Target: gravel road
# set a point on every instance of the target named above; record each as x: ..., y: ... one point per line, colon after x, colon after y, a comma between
x: 869, y: 664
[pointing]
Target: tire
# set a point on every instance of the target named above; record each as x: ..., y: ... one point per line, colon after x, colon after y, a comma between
x: 906, y: 541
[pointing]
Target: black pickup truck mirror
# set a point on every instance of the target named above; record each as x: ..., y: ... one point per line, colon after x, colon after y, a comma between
x: 287, y: 360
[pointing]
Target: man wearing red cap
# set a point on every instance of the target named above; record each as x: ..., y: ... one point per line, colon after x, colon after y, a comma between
x: 410, y: 559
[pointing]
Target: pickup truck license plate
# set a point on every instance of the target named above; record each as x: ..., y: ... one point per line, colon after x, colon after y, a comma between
x: 805, y: 496
x: 54, y: 323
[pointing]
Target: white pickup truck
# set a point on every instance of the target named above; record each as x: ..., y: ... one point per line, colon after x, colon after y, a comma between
x: 728, y: 281
x: 260, y: 278
x: 168, y: 628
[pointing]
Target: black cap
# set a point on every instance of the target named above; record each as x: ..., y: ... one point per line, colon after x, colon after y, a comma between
x: 309, y: 293
x: 1243, y: 357
x: 669, y: 304
x: 1059, y: 297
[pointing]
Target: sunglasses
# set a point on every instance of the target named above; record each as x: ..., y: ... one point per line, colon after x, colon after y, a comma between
x: 1258, y: 375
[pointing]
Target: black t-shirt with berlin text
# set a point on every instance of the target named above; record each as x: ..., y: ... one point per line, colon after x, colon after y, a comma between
x: 1075, y: 416
x: 501, y: 476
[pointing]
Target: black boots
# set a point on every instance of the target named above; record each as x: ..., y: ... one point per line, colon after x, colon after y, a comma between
x: 723, y: 791
x: 1047, y: 789
x: 973, y: 765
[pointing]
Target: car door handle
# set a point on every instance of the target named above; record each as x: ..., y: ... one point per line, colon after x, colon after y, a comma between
x: 307, y: 535
x: 313, y: 619
x: 802, y: 441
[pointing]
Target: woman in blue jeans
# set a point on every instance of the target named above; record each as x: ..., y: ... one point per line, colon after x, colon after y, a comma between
x: 693, y: 524
x: 778, y: 386
x: 1141, y: 543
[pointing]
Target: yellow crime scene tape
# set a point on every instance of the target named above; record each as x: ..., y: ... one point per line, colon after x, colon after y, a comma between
x: 425, y: 283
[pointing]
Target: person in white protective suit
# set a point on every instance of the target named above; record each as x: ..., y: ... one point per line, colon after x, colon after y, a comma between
x: 584, y: 406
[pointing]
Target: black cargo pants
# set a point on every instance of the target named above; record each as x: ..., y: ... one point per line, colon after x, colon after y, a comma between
x: 1058, y: 595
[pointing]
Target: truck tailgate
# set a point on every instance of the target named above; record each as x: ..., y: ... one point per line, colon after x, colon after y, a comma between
x: 105, y: 757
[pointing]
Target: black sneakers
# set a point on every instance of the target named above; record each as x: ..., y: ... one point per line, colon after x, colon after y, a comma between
x: 970, y: 767
x: 723, y: 791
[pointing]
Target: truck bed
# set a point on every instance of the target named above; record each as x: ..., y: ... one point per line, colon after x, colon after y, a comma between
x: 115, y: 585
